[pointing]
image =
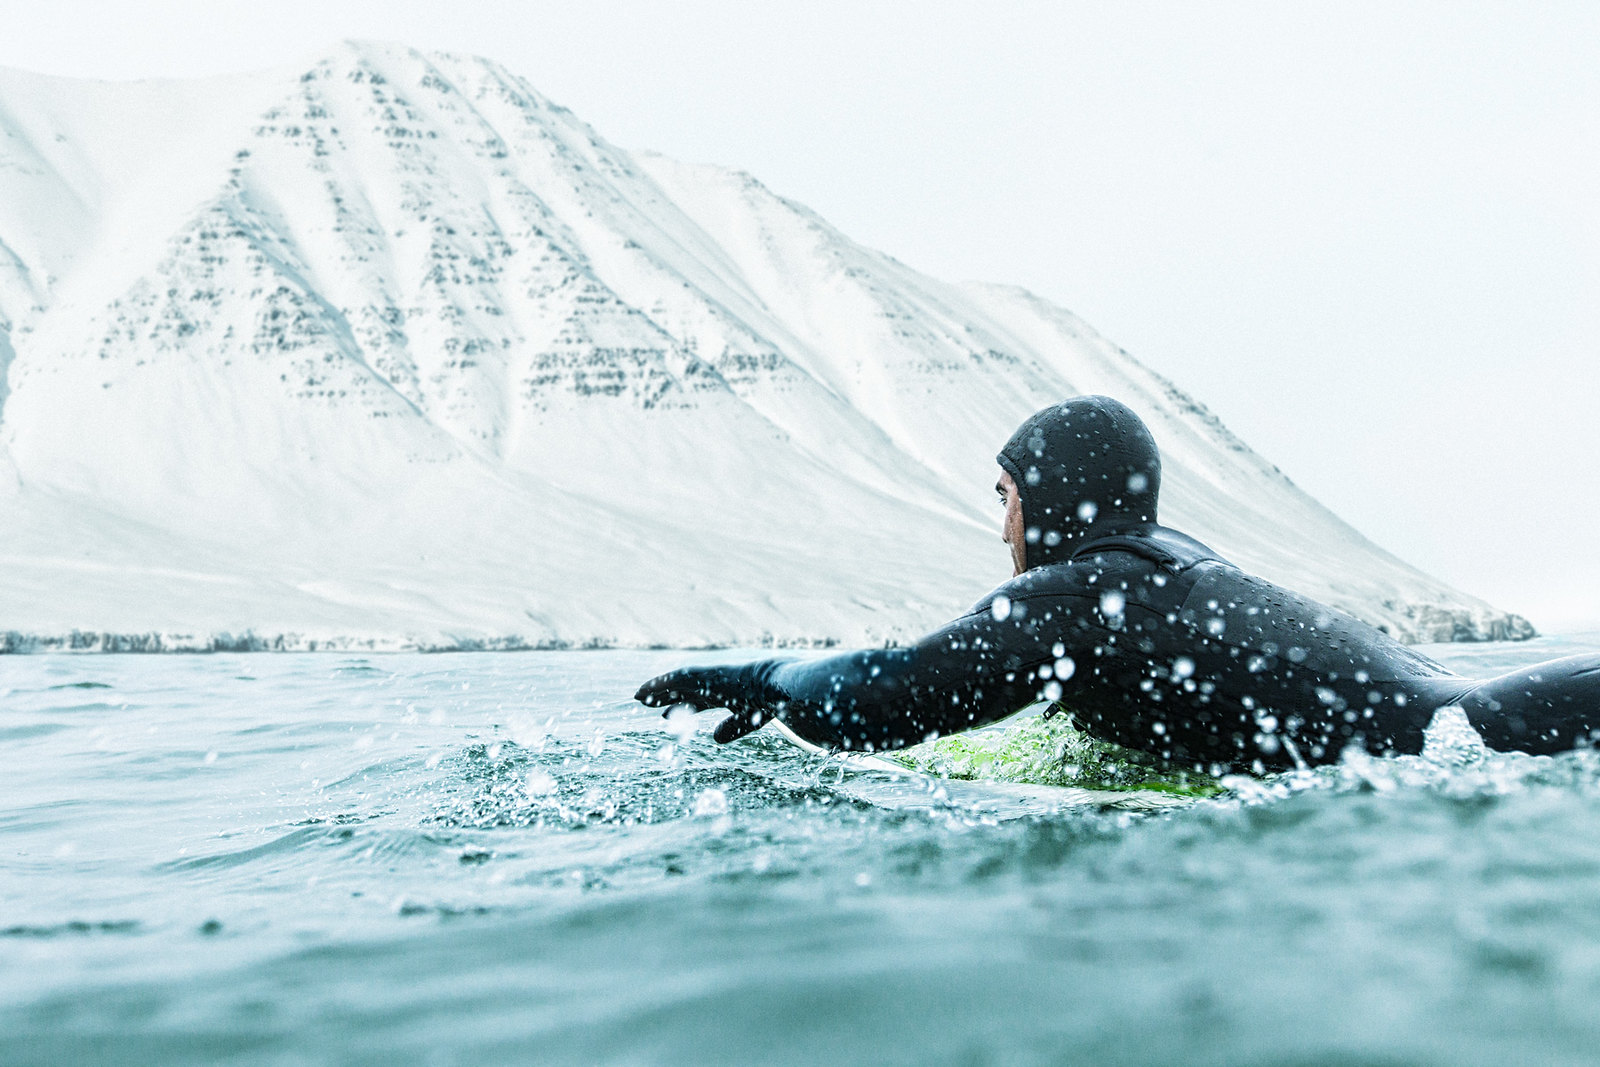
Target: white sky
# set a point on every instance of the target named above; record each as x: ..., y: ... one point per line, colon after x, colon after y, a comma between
x: 1365, y: 234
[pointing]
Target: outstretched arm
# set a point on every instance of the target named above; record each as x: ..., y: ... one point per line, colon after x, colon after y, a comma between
x: 980, y: 668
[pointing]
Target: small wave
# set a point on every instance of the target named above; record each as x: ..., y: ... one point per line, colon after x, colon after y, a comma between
x: 38, y: 729
x: 388, y: 770
x: 408, y: 909
x: 92, y: 706
x: 74, y: 928
x: 561, y: 784
x: 357, y: 669
x: 293, y: 841
x: 372, y: 844
x: 1454, y: 762
x: 342, y: 818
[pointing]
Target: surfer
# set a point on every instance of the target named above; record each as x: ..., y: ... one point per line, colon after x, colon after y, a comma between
x: 1144, y: 635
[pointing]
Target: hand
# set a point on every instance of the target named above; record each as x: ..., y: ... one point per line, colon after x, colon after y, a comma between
x: 741, y: 689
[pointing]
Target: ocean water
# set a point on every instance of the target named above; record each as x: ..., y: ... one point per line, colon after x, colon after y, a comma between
x: 490, y: 858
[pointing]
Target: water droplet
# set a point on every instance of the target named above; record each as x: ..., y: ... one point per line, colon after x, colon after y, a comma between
x: 1087, y: 511
x: 1112, y: 603
x: 710, y: 804
x: 680, y: 722
x: 1000, y: 608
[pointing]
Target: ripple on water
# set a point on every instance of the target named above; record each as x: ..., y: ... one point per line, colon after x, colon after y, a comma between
x: 33, y: 729
x: 492, y: 858
x: 560, y: 785
x: 296, y: 840
x: 73, y: 928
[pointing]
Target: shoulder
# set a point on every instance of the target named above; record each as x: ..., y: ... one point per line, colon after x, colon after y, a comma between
x: 1166, y: 548
x: 1232, y: 607
x: 1148, y: 565
x: 1051, y: 580
x: 1122, y: 577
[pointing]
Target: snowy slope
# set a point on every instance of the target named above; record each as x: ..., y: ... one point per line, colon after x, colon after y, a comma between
x: 390, y: 350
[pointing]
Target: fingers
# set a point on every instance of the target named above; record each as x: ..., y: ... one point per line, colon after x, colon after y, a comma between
x: 654, y: 693
x: 675, y: 687
x: 659, y: 696
x: 701, y: 688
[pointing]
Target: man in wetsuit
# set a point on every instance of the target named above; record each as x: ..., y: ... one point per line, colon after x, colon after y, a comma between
x: 1147, y: 637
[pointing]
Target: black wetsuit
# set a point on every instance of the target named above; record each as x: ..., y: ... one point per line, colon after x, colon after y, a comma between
x: 1147, y: 637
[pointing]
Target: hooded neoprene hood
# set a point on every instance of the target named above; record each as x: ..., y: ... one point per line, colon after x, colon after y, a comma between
x: 1088, y: 462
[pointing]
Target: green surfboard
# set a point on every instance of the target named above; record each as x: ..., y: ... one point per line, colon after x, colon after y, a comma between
x: 1046, y: 759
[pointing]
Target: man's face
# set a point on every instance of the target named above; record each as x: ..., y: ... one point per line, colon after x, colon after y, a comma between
x: 1011, y: 531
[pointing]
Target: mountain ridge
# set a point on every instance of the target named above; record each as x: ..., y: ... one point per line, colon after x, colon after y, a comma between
x: 426, y: 331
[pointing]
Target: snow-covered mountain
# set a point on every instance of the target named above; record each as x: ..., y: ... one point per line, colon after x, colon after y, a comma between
x: 390, y: 350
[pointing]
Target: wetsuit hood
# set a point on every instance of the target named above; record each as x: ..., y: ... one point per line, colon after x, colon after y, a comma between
x: 1085, y: 464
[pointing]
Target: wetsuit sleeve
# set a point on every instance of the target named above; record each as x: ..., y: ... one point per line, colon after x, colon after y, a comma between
x: 979, y: 668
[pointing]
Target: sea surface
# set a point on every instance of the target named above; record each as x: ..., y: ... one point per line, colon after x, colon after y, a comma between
x: 500, y: 858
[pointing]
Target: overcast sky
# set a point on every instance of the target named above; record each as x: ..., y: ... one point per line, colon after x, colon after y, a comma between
x: 1367, y: 235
